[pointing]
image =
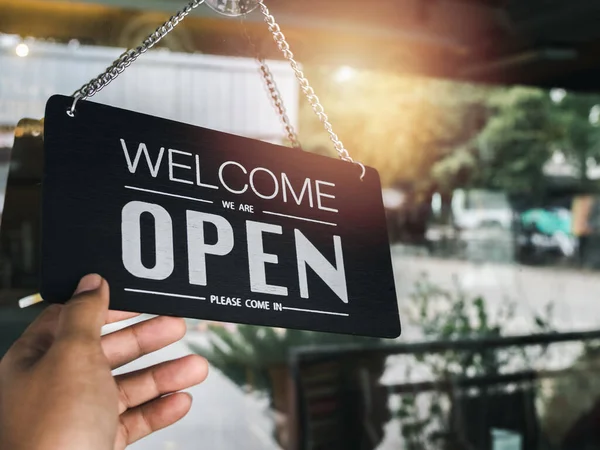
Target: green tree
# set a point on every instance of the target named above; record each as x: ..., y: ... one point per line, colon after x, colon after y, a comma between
x: 524, y: 127
x: 400, y: 125
x: 577, y: 115
x: 435, y: 134
x: 518, y: 139
x: 258, y: 358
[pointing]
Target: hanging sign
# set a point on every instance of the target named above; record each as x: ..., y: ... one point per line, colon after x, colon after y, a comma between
x: 197, y: 223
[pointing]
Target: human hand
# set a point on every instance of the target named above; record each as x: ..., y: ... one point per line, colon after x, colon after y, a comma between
x: 57, y: 391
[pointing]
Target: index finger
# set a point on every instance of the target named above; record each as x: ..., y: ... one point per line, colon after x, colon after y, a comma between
x: 37, y: 338
x: 40, y: 334
x: 112, y: 316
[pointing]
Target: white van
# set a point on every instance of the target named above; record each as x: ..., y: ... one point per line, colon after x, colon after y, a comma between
x: 478, y: 208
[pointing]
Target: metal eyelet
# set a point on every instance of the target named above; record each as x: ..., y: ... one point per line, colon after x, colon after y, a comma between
x: 364, y: 170
x: 71, y: 111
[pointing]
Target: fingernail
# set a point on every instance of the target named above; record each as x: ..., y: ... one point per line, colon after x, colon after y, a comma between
x: 89, y: 283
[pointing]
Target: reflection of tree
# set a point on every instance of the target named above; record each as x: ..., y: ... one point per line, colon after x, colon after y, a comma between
x: 399, y: 125
x: 440, y: 134
x: 580, y: 131
x: 525, y: 128
x: 444, y: 417
x: 516, y: 141
x: 257, y: 358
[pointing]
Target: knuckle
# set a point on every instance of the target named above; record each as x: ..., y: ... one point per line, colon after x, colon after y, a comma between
x: 124, y: 400
x: 135, y: 337
x: 146, y: 423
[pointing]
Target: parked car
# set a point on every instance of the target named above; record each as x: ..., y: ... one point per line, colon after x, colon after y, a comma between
x: 479, y: 208
x: 545, y: 232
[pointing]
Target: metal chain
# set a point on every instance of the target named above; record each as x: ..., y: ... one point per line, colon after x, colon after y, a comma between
x: 309, y: 92
x: 278, y: 103
x: 127, y: 58
x: 273, y: 89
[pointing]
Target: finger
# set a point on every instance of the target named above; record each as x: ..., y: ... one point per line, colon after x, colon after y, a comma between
x: 83, y: 316
x: 119, y: 316
x: 130, y: 343
x: 45, y: 323
x: 144, y: 420
x: 140, y: 387
x: 38, y: 337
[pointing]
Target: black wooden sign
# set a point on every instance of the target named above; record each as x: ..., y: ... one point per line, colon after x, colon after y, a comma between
x: 197, y: 223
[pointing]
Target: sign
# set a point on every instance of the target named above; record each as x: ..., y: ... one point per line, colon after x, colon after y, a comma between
x: 196, y: 223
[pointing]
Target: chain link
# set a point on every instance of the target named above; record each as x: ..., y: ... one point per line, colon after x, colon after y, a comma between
x: 278, y: 103
x: 309, y: 92
x: 272, y: 88
x: 127, y: 58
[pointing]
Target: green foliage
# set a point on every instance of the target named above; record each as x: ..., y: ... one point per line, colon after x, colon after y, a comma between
x: 399, y: 125
x: 246, y: 353
x: 517, y: 140
x: 439, y: 135
x: 454, y: 315
x: 524, y: 127
x: 580, y: 131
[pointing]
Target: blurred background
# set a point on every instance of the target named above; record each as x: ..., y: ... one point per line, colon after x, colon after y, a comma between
x: 483, y: 119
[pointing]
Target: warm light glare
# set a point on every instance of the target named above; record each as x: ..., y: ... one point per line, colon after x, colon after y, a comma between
x: 22, y: 50
x: 344, y: 73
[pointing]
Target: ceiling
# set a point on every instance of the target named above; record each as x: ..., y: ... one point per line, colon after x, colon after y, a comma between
x: 549, y: 43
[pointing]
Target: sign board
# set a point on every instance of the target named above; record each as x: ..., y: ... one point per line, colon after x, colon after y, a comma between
x: 196, y: 223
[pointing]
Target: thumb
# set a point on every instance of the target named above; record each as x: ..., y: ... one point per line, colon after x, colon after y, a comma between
x: 84, y: 315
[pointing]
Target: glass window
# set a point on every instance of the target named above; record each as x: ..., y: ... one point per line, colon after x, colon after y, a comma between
x: 493, y: 210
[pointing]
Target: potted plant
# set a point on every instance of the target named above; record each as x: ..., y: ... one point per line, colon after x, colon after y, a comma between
x: 466, y: 418
x: 257, y: 359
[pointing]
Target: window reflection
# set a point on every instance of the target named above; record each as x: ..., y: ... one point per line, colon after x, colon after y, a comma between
x: 494, y: 221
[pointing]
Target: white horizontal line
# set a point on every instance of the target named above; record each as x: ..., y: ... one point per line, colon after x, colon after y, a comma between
x: 318, y: 312
x: 300, y: 218
x: 166, y: 294
x: 133, y: 188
